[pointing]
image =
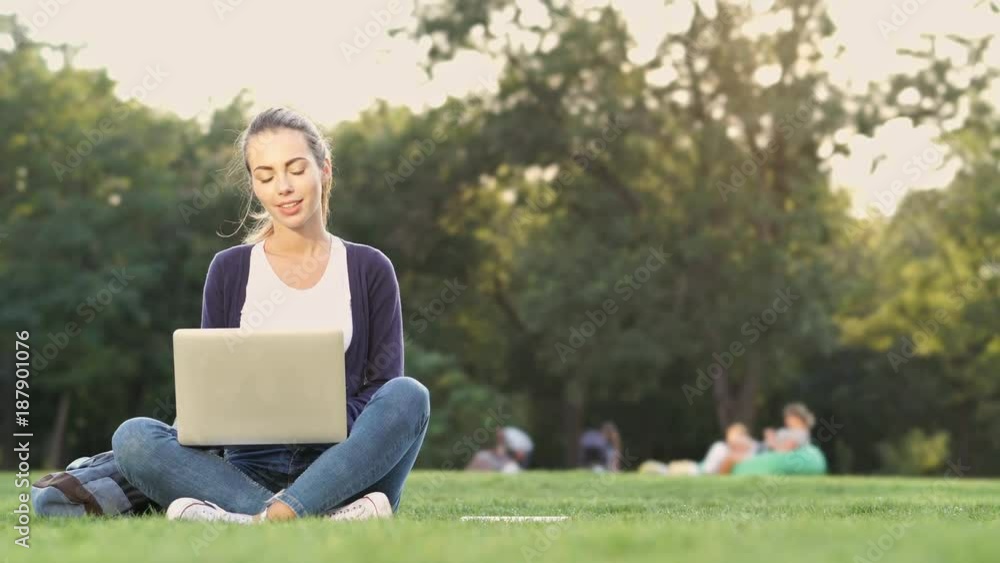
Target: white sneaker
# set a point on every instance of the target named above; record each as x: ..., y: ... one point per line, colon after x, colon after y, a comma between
x: 372, y: 505
x: 203, y: 511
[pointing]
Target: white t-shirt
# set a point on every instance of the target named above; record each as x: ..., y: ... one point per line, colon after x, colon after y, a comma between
x: 273, y: 305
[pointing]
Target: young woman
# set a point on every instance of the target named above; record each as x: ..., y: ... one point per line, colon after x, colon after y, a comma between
x: 307, y: 278
x: 799, y: 421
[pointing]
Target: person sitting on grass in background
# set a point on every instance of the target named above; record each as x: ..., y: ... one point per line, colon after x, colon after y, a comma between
x: 799, y: 421
x: 601, y: 450
x: 739, y: 445
x: 511, y: 454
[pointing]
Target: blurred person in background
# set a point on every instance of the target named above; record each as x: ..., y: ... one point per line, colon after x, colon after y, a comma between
x: 511, y: 454
x: 738, y: 445
x: 799, y: 421
x: 722, y: 455
x: 601, y: 450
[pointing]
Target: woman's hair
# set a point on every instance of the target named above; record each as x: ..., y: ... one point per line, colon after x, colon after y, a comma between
x: 610, y: 431
x: 737, y: 428
x: 269, y: 120
x: 800, y: 411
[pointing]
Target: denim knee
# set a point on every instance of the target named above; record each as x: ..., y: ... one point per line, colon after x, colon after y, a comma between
x: 411, y: 396
x: 132, y: 440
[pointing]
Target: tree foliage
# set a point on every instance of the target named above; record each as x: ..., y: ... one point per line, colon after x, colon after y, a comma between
x: 649, y: 239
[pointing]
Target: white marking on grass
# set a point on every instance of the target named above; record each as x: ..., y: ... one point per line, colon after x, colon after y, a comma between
x: 514, y: 518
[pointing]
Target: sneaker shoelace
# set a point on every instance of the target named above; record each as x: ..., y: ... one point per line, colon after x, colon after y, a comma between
x: 348, y: 509
x: 352, y: 508
x: 217, y: 514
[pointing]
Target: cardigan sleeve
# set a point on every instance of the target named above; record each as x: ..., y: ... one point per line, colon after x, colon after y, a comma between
x: 212, y: 303
x: 213, y: 315
x: 213, y: 310
x: 385, y: 335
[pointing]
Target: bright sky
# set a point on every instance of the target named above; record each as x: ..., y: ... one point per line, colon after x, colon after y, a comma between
x: 333, y: 59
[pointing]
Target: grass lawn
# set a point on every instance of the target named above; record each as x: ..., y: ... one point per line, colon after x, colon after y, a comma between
x: 623, y: 517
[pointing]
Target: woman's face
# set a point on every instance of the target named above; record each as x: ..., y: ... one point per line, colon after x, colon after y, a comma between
x: 795, y: 423
x: 286, y: 177
x: 735, y: 435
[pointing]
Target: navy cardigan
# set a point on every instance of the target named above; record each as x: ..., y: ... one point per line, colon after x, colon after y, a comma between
x: 375, y: 354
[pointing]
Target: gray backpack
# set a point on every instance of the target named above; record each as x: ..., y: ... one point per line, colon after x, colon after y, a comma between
x: 91, y: 486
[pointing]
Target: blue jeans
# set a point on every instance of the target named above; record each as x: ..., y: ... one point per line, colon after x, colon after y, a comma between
x: 312, y: 479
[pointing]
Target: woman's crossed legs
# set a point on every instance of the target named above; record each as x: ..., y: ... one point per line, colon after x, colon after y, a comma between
x: 377, y: 456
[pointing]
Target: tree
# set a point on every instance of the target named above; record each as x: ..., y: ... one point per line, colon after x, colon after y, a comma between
x: 929, y: 286
x: 97, y: 259
x: 607, y: 163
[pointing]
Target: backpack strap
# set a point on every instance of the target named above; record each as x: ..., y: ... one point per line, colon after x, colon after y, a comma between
x: 74, y: 490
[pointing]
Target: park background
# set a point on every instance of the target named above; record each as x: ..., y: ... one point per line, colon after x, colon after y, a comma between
x: 527, y: 165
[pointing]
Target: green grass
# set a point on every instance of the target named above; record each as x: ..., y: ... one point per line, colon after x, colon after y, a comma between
x: 622, y: 517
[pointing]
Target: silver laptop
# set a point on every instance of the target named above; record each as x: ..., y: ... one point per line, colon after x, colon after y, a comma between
x: 237, y: 387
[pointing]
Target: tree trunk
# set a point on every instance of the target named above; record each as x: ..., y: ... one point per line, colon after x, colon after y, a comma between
x: 136, y: 390
x: 572, y: 421
x: 54, y: 454
x: 722, y: 391
x: 737, y: 403
x: 965, y: 424
x: 723, y: 401
x: 749, y: 390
